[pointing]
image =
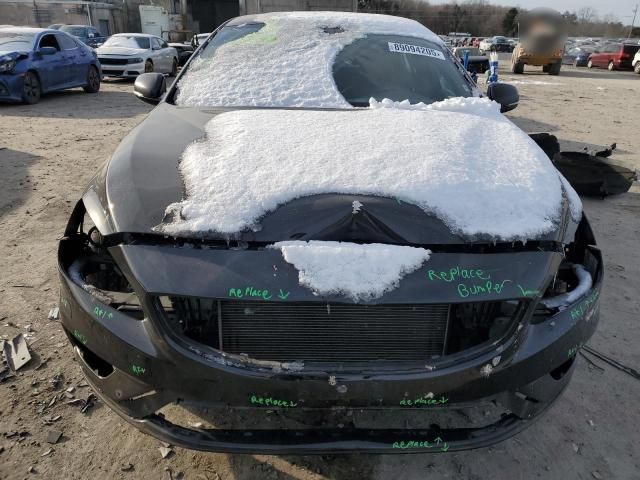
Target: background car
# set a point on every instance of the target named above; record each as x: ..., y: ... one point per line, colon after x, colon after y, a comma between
x: 34, y: 61
x: 636, y: 62
x: 128, y: 55
x: 196, y: 40
x: 184, y: 50
x: 478, y: 63
x: 497, y: 43
x: 56, y: 26
x: 578, y: 56
x: 86, y: 34
x: 614, y: 56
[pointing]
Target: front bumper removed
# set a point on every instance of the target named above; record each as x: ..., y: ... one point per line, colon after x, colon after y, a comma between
x: 138, y: 368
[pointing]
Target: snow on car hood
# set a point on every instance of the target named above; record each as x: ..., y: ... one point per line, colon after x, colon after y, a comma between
x: 288, y: 62
x: 361, y: 272
x: 120, y: 51
x: 460, y: 160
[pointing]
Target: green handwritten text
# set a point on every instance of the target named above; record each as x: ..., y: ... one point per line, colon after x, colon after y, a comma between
x: 488, y: 287
x: 101, y: 313
x: 80, y: 337
x: 436, y: 443
x: 456, y: 273
x: 249, y: 292
x: 138, y: 370
x: 64, y: 302
x: 584, y: 307
x: 529, y: 293
x: 272, y: 402
x: 425, y: 400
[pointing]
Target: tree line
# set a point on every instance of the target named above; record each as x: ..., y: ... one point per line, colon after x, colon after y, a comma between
x: 482, y: 19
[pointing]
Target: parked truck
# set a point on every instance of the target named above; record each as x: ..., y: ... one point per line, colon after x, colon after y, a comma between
x: 541, y: 42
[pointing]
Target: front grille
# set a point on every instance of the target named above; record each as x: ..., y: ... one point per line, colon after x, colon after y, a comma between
x: 321, y: 332
x: 112, y: 61
x: 280, y: 331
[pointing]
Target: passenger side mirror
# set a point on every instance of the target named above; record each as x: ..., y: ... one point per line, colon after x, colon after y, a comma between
x: 150, y: 87
x: 47, y: 50
x: 506, y: 95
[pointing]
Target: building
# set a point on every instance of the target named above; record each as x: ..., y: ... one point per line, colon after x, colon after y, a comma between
x: 185, y: 17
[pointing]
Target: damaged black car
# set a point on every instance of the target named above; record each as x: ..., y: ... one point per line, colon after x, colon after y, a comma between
x: 326, y: 239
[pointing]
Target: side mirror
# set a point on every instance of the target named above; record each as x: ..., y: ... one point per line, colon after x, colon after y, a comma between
x: 506, y: 95
x: 47, y: 50
x: 150, y: 87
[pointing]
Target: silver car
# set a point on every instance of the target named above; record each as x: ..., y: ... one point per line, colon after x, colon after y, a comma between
x: 130, y: 54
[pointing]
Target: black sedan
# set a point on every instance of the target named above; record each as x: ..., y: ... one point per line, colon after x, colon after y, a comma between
x: 478, y: 63
x: 323, y: 239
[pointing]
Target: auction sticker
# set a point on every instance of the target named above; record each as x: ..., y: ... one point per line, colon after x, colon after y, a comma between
x: 415, y: 50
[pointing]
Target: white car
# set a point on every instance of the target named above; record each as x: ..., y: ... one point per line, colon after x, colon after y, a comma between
x: 130, y: 54
x: 636, y: 62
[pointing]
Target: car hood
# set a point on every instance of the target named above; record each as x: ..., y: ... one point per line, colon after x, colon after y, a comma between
x: 6, y: 55
x: 133, y: 190
x: 120, y: 51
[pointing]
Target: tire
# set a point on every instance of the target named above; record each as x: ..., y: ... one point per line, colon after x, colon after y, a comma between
x: 93, y: 80
x: 589, y: 64
x: 31, y: 89
x: 174, y: 68
x: 637, y: 68
x: 545, y: 68
x: 611, y: 67
x: 554, y: 68
x: 517, y: 68
x: 148, y: 66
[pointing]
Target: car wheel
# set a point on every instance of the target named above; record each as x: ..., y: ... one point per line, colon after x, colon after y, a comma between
x: 93, y: 80
x: 554, y: 68
x: 545, y: 68
x: 148, y: 66
x: 637, y: 68
x: 31, y: 90
x: 174, y: 68
x: 590, y: 64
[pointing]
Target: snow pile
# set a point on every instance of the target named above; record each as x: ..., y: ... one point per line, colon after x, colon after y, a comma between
x: 584, y: 285
x: 473, y: 105
x: 288, y: 63
x: 361, y: 272
x: 480, y: 173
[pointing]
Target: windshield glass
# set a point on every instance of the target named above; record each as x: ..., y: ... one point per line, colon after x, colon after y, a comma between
x: 127, y: 41
x: 15, y: 41
x: 73, y: 30
x: 252, y: 65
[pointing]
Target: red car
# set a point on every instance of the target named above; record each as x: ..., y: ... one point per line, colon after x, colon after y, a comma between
x: 614, y: 56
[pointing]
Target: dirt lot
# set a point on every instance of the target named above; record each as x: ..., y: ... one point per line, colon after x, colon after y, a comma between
x: 48, y: 153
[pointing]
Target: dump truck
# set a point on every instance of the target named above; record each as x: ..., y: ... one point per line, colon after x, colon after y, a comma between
x: 542, y: 42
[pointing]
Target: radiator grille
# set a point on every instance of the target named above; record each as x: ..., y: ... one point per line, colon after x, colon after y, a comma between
x: 315, y: 331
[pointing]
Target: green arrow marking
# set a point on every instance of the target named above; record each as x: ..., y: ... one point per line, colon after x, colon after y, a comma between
x: 283, y: 295
x: 445, y: 447
x: 438, y: 440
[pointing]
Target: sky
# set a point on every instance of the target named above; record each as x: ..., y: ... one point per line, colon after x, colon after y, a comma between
x: 621, y: 9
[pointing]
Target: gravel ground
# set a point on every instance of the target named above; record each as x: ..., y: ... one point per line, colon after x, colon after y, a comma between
x: 48, y: 153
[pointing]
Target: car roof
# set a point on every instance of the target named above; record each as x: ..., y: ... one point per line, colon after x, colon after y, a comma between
x: 352, y: 17
x: 33, y: 30
x: 142, y: 35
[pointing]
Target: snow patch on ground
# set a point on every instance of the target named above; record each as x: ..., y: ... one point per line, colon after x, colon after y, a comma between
x: 361, y: 272
x: 532, y: 82
x: 460, y: 160
x: 288, y: 63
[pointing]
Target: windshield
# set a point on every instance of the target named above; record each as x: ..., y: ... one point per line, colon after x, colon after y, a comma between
x: 16, y: 41
x: 253, y: 65
x: 127, y: 41
x: 72, y: 30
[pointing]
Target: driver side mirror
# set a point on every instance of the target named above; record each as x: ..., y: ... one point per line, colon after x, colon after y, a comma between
x: 47, y: 50
x: 150, y: 87
x: 506, y: 95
